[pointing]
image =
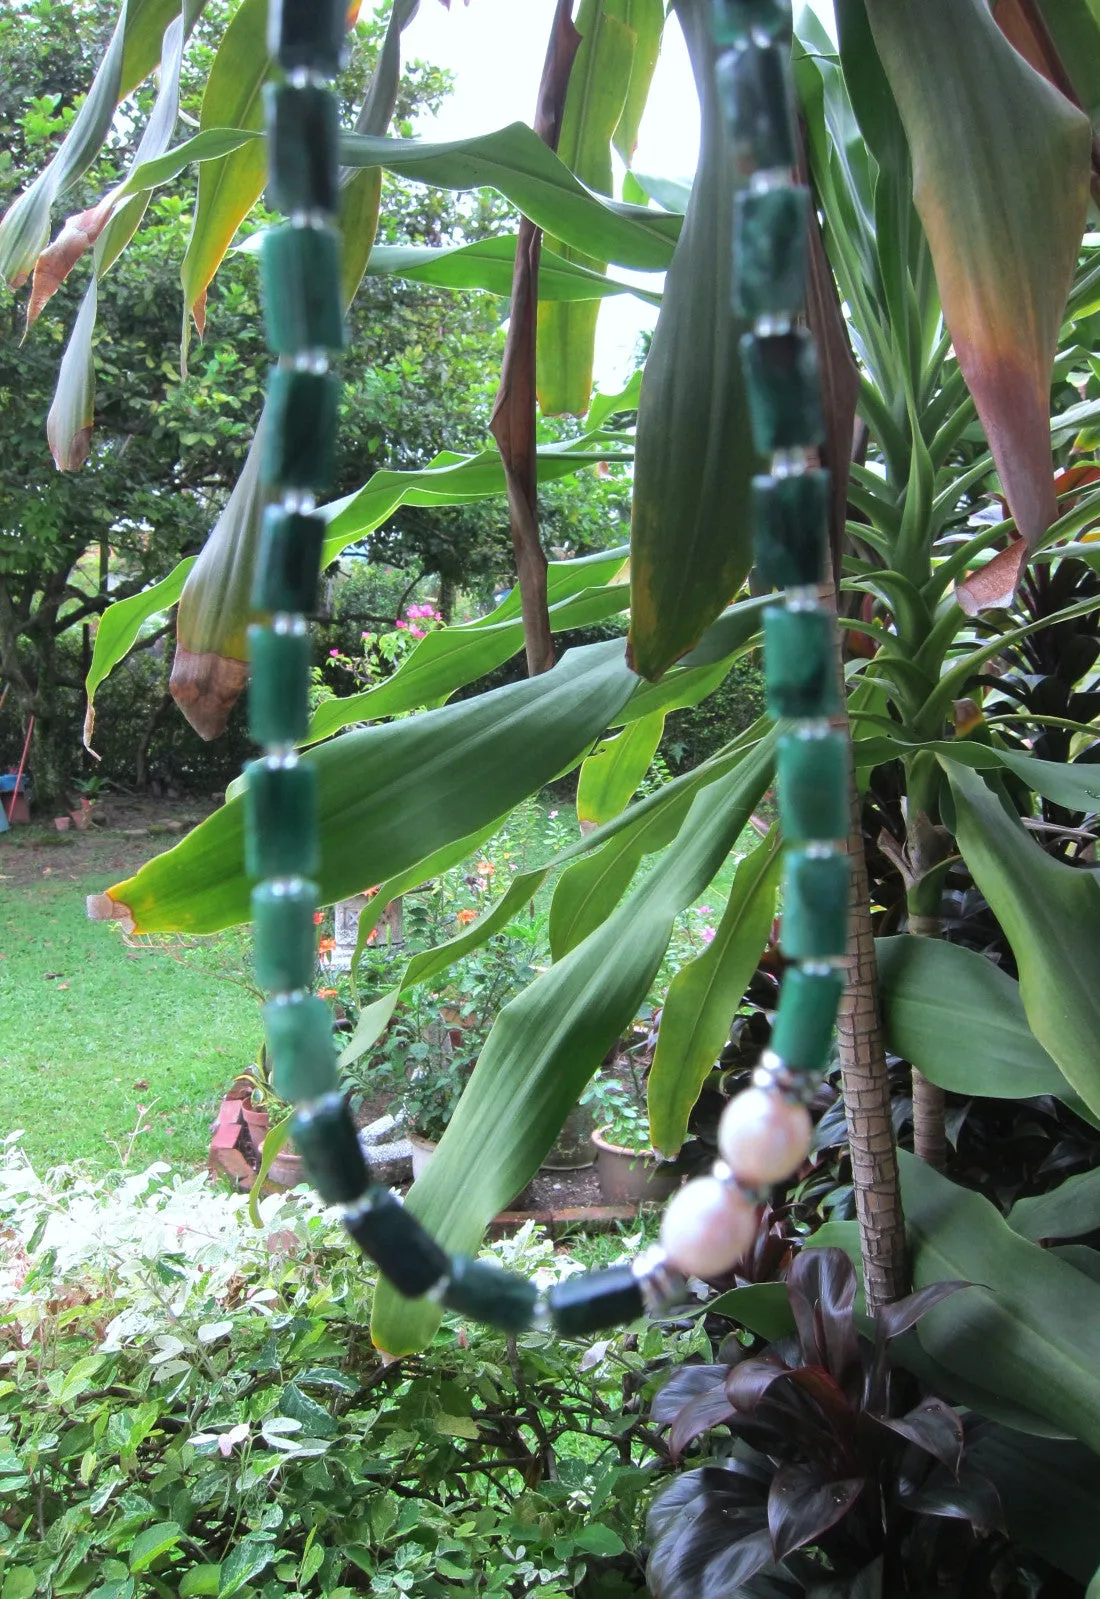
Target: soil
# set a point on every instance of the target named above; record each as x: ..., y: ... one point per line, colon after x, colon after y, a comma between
x: 125, y: 832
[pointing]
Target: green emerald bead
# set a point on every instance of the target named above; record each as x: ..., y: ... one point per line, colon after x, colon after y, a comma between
x: 404, y: 1252
x: 299, y: 437
x: 288, y: 564
x: 280, y: 837
x: 754, y: 88
x: 284, y: 939
x: 791, y: 529
x: 770, y: 248
x: 307, y: 34
x: 486, y: 1293
x: 327, y: 1140
x: 812, y: 780
x: 815, y: 905
x: 303, y: 134
x: 784, y: 390
x: 278, y: 689
x: 800, y: 672
x: 298, y: 1030
x: 733, y: 21
x: 594, y: 1301
x: 803, y: 1030
x: 300, y: 289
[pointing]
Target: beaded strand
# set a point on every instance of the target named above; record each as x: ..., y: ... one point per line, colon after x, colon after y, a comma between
x: 765, y: 1133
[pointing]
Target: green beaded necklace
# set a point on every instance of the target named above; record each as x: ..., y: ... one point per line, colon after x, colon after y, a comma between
x: 765, y: 1132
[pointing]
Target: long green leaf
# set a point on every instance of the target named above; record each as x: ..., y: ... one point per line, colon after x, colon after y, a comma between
x: 1050, y: 913
x: 69, y: 424
x: 381, y: 793
x: 118, y: 629
x: 960, y: 1021
x: 546, y: 1044
x: 490, y: 263
x: 704, y: 995
x: 1074, y: 784
x: 516, y: 163
x: 1068, y: 1211
x: 690, y: 529
x: 610, y: 775
x: 1030, y: 1332
x: 594, y: 105
x: 1001, y: 166
x: 229, y: 187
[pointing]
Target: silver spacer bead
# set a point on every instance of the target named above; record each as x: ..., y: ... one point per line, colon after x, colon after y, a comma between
x: 289, y: 622
x: 766, y: 178
x: 660, y: 1284
x: 541, y: 1320
x: 818, y: 848
x: 724, y: 1173
x: 811, y: 728
x: 772, y: 326
x: 298, y: 502
x: 313, y: 218
x: 802, y: 599
x: 789, y: 463
x: 315, y: 361
x: 775, y: 1076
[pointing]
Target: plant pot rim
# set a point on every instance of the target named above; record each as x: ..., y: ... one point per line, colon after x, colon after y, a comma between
x: 603, y: 1143
x: 420, y: 1139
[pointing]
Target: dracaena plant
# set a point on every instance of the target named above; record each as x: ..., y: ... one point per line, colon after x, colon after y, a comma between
x: 818, y: 1479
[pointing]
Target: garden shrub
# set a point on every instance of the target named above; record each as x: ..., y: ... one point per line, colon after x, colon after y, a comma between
x: 191, y: 1405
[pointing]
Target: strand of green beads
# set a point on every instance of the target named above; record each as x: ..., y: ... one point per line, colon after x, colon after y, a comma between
x: 301, y: 294
x: 764, y: 1134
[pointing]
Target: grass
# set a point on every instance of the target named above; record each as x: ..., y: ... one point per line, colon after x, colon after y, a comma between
x: 92, y: 1029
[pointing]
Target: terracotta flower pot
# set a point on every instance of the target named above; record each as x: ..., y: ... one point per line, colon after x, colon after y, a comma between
x: 572, y: 1148
x: 628, y: 1177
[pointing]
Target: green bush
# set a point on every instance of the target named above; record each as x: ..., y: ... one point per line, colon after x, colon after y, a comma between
x: 191, y: 1405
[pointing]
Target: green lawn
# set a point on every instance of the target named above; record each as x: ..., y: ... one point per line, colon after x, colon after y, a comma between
x: 91, y: 1029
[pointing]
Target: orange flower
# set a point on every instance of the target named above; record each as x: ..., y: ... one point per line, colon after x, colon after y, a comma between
x: 464, y: 918
x: 326, y: 993
x: 318, y: 918
x: 485, y: 868
x: 326, y: 944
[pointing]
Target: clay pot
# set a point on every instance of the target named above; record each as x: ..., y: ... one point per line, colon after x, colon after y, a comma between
x: 422, y: 1151
x: 629, y: 1178
x: 286, y: 1170
x: 573, y: 1147
x: 62, y: 823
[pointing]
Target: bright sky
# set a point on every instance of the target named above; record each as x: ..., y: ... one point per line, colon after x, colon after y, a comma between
x: 495, y: 50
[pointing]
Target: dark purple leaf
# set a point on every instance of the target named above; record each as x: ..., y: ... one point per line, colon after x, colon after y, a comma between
x: 933, y: 1427
x: 688, y: 1538
x: 828, y: 1395
x: 706, y: 1410
x: 893, y: 1320
x: 735, y: 1565
x: 972, y: 1498
x: 747, y: 1383
x: 822, y: 1289
x: 686, y: 1384
x: 866, y: 1584
x: 802, y: 1505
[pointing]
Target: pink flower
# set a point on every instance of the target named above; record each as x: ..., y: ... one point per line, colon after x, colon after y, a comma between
x: 401, y: 626
x: 416, y: 632
x: 235, y: 1435
x: 707, y: 935
x: 706, y: 910
x: 334, y: 652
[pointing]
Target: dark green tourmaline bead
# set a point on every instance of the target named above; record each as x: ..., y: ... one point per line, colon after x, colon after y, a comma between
x: 299, y: 439
x: 280, y: 836
x: 815, y: 905
x: 303, y: 133
x: 499, y: 1298
x: 298, y: 1031
x: 791, y: 523
x: 812, y: 780
x: 307, y: 33
x: 288, y: 564
x: 803, y: 1030
x: 769, y: 251
x: 594, y: 1301
x: 404, y: 1252
x: 800, y: 674
x: 784, y: 390
x: 734, y: 20
x: 300, y: 289
x: 754, y: 86
x: 284, y: 939
x: 278, y: 689
x: 326, y: 1138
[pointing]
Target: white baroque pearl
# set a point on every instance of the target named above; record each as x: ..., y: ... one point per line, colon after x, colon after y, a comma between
x: 763, y: 1137
x: 707, y: 1227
